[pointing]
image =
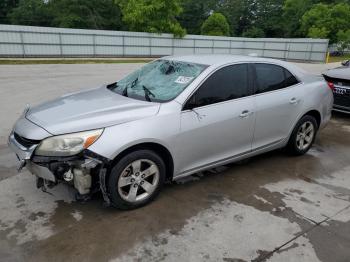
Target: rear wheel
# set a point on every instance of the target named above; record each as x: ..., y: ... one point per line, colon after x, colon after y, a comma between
x: 136, y: 179
x: 303, y: 135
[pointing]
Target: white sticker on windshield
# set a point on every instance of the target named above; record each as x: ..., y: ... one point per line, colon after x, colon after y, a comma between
x: 183, y: 79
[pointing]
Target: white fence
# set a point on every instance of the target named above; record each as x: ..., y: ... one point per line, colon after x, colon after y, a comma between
x: 30, y: 41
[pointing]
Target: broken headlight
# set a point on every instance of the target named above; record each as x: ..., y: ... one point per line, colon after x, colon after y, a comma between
x: 67, y: 145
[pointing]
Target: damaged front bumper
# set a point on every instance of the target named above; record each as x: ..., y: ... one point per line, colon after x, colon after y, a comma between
x: 23, y: 153
x: 85, y: 171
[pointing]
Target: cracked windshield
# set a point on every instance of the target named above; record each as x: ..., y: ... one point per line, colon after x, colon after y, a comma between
x: 159, y: 81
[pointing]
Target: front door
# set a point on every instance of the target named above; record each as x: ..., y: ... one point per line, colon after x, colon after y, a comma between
x: 217, y: 122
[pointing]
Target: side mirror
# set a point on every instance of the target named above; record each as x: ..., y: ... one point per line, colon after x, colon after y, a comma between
x: 345, y: 63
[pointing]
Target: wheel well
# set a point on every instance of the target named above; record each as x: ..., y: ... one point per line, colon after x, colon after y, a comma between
x: 162, y: 151
x: 316, y: 115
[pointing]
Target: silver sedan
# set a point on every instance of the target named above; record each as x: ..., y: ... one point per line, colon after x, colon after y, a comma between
x: 173, y: 117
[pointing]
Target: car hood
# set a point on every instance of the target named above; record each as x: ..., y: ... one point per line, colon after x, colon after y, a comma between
x: 92, y: 109
x: 340, y: 72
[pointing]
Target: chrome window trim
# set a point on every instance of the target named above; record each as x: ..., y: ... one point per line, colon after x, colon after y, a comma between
x: 252, y: 95
x: 219, y: 103
x: 278, y: 90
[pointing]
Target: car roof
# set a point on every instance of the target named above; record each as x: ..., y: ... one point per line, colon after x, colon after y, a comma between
x: 216, y: 59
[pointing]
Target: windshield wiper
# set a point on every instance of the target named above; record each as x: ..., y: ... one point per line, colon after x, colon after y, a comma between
x: 133, y: 83
x: 148, y: 93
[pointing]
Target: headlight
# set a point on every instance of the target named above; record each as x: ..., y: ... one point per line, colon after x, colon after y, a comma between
x: 67, y: 145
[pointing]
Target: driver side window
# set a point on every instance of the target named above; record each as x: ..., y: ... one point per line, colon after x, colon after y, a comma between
x: 230, y: 82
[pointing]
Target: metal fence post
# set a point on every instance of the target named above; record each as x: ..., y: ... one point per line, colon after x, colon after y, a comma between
x: 123, y: 45
x: 263, y: 51
x: 22, y: 43
x: 94, y: 45
x: 326, y: 54
x: 172, y: 45
x: 60, y: 44
x: 311, y: 50
x: 286, y: 52
x: 150, y: 45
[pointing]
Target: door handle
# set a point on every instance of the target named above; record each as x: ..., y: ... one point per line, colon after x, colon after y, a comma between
x: 293, y: 101
x: 245, y: 113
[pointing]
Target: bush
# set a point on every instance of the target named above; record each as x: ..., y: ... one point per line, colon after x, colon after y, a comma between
x: 216, y: 24
x: 254, y: 32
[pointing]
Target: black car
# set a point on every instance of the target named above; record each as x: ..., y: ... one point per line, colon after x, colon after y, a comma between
x: 339, y: 80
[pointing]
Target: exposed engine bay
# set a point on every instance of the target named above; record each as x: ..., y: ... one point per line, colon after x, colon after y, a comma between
x: 84, y: 172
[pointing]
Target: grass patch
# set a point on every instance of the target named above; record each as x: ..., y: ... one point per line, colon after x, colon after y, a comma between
x: 70, y: 61
x: 333, y: 59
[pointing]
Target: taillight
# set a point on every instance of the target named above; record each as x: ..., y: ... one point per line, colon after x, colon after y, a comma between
x: 331, y: 85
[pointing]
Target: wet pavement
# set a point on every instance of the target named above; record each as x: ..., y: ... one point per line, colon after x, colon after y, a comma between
x: 273, y: 207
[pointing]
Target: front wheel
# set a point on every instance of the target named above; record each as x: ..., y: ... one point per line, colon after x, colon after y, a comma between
x: 303, y: 135
x: 136, y: 179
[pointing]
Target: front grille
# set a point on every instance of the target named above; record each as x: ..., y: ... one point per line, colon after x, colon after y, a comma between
x: 25, y: 141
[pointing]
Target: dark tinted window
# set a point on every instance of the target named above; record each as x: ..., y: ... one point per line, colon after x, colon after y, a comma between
x: 272, y: 77
x: 230, y: 82
x: 290, y: 79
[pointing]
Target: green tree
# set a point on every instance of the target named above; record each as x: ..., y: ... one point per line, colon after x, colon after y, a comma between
x: 316, y: 32
x: 268, y: 17
x: 293, y: 11
x: 92, y: 14
x: 245, y: 16
x: 6, y: 7
x: 343, y: 38
x: 238, y: 13
x: 254, y: 32
x: 326, y: 20
x: 216, y: 24
x: 154, y: 16
x: 317, y: 17
x: 31, y: 12
x: 194, y: 14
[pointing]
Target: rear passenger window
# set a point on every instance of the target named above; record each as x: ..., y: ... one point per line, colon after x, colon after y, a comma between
x: 228, y: 83
x: 272, y: 77
x: 290, y: 79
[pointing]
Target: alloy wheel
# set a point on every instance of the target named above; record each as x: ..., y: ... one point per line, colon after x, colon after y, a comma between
x: 305, y: 135
x: 138, y: 180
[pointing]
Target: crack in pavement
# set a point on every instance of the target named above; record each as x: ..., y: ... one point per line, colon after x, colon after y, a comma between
x: 265, y: 256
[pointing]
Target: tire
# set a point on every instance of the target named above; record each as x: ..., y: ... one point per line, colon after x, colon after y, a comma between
x: 300, y: 142
x: 130, y: 185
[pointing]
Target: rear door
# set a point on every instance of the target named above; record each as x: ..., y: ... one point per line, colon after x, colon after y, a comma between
x: 218, y: 119
x: 278, y: 99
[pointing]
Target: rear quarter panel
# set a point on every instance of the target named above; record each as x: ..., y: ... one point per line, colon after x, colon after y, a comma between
x: 317, y: 96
